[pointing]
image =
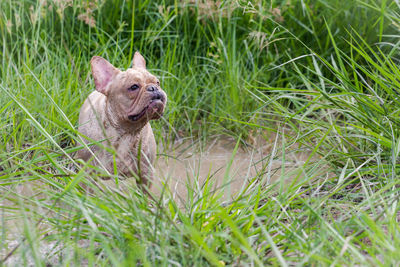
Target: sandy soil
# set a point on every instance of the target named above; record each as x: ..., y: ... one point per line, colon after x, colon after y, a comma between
x: 189, y: 166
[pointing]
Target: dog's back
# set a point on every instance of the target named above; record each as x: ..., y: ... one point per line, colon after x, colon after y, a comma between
x: 90, y: 117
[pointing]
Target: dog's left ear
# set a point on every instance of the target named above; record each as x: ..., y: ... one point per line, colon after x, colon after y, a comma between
x: 139, y: 61
x: 103, y: 72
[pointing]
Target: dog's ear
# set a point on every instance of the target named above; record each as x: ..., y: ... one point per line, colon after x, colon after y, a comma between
x: 139, y: 61
x: 103, y: 72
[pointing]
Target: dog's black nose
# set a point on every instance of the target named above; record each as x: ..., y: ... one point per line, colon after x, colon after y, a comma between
x: 152, y: 88
x: 157, y: 96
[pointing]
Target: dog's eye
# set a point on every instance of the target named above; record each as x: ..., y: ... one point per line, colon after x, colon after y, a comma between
x: 158, y: 83
x: 133, y: 87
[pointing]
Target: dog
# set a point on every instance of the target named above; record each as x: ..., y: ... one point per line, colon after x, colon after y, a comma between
x: 116, y: 116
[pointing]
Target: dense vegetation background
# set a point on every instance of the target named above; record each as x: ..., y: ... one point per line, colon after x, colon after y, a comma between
x: 323, y: 73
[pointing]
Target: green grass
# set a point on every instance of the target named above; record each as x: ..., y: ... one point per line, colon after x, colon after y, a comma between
x: 322, y: 74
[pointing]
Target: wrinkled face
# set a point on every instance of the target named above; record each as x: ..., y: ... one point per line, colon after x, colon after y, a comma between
x: 134, y: 95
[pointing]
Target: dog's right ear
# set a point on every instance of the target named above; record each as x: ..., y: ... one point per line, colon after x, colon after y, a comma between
x: 139, y: 61
x: 103, y: 72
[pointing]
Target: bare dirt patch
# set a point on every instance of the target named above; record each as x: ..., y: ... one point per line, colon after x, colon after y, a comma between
x: 188, y: 166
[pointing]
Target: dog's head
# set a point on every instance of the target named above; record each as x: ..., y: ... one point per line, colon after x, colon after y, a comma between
x: 134, y: 96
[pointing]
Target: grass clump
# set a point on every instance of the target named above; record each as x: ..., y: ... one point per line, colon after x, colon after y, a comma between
x: 322, y: 78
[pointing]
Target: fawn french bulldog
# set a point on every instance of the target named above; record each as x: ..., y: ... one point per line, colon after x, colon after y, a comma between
x: 118, y: 113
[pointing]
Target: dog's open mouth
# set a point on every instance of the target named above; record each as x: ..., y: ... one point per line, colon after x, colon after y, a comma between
x: 139, y: 115
x: 153, y: 107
